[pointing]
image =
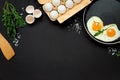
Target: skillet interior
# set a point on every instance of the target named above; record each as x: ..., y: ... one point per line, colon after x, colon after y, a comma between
x: 108, y: 11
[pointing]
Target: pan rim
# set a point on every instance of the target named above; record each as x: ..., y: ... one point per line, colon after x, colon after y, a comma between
x: 84, y: 24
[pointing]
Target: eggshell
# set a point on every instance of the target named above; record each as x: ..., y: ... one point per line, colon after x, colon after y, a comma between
x: 53, y: 15
x: 37, y: 13
x: 30, y: 9
x: 56, y: 2
x: 29, y: 19
x: 48, y: 7
x: 61, y: 9
x: 69, y: 3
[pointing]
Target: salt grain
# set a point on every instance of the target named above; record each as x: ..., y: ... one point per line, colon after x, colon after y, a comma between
x: 16, y: 45
x: 22, y: 8
x: 17, y: 40
x: 112, y: 51
x: 21, y: 14
x: 19, y: 36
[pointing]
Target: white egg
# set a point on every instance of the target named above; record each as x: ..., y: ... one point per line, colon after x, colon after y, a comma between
x: 69, y: 3
x: 48, y: 7
x: 56, y: 2
x: 77, y: 1
x: 111, y: 34
x: 94, y: 24
x: 54, y: 15
x: 61, y: 9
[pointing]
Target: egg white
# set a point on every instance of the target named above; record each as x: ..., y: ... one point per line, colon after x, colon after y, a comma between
x: 90, y: 23
x: 106, y: 38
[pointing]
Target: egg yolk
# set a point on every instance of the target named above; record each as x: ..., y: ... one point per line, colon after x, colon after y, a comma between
x: 96, y: 26
x: 111, y: 32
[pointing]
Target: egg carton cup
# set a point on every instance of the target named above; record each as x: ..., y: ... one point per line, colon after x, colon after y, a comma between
x: 69, y: 12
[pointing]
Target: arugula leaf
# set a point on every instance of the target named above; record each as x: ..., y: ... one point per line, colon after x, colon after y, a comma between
x: 99, y: 32
x: 11, y: 19
x: 118, y: 53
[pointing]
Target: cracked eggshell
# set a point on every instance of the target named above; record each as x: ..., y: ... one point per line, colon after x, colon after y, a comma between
x: 29, y: 19
x: 37, y: 13
x: 29, y: 9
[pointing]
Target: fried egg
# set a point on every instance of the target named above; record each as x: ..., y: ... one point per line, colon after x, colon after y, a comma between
x: 94, y: 24
x: 111, y: 33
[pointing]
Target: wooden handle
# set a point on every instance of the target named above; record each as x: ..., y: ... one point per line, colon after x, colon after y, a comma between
x: 6, y: 48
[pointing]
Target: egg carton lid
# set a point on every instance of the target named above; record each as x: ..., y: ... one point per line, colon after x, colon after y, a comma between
x: 71, y: 12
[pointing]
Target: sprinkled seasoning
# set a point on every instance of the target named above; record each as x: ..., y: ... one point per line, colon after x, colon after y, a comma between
x: 17, y: 40
x: 23, y: 8
x: 75, y: 25
x: 112, y: 51
x: 21, y: 14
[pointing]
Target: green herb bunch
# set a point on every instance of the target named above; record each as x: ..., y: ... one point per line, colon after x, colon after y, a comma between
x: 11, y: 19
x: 118, y: 53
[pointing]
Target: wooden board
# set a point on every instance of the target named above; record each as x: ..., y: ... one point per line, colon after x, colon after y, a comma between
x: 6, y: 48
x: 70, y: 12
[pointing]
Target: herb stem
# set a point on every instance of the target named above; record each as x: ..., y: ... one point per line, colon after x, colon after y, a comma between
x: 11, y: 19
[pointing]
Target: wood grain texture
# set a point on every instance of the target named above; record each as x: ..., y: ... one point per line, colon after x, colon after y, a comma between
x: 6, y: 48
x: 73, y: 11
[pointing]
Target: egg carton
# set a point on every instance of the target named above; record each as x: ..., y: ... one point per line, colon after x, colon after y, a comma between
x: 69, y: 11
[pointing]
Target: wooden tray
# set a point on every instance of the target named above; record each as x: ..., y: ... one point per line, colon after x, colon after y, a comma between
x: 70, y: 12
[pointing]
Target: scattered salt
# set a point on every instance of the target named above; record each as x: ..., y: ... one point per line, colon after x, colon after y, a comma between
x: 22, y: 8
x: 112, y: 51
x: 16, y: 41
x: 16, y: 45
x: 75, y: 25
x: 21, y: 14
x: 19, y: 36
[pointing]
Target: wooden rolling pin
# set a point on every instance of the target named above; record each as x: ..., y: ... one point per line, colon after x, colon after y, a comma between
x: 6, y: 48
